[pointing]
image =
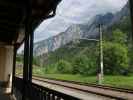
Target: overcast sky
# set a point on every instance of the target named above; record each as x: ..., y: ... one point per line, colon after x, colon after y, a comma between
x: 75, y: 12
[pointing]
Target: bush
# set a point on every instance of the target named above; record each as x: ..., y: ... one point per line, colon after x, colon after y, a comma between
x: 115, y: 58
x: 51, y: 69
x: 84, y: 65
x: 64, y: 66
x: 118, y: 36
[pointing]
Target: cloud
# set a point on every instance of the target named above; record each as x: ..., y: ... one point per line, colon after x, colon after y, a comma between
x: 74, y: 12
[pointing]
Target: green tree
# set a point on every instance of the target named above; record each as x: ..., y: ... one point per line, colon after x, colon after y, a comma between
x: 84, y: 65
x: 19, y: 58
x: 64, y: 66
x: 118, y: 36
x: 51, y: 69
x: 115, y: 58
x: 130, y: 55
x: 36, y: 61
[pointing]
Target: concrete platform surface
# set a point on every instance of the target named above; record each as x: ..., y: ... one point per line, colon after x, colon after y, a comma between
x: 4, y: 97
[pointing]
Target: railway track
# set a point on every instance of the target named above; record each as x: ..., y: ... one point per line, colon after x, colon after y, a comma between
x: 107, y: 91
x: 88, y: 84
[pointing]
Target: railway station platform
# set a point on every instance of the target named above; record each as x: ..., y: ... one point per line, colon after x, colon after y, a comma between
x: 4, y: 96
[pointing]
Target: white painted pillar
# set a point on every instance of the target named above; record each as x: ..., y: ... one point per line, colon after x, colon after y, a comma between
x: 6, y: 66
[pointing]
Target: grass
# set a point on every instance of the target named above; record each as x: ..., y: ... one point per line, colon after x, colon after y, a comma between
x: 119, y: 81
x: 116, y: 81
x: 77, y: 78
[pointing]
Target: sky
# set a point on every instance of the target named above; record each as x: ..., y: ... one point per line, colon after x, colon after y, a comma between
x: 75, y: 12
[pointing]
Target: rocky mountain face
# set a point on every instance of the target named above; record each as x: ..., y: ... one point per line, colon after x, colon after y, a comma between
x: 55, y: 42
x: 86, y: 30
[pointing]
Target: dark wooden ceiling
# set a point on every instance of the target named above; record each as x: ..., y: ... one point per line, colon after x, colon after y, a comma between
x: 14, y: 13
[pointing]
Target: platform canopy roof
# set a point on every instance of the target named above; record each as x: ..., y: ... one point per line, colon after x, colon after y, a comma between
x: 15, y: 14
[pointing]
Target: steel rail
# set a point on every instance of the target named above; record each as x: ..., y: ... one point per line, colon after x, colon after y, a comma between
x: 84, y: 84
x: 88, y: 84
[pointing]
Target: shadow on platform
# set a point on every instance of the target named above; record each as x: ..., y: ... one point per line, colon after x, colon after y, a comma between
x: 4, y: 97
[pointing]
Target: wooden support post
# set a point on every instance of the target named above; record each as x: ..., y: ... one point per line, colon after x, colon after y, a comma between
x: 31, y: 54
x: 26, y: 64
x: 28, y: 50
x: 28, y: 57
x: 14, y: 67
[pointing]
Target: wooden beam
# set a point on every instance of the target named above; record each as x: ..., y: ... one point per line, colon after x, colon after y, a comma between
x: 10, y: 24
x: 13, y: 4
x: 8, y: 29
x: 13, y: 19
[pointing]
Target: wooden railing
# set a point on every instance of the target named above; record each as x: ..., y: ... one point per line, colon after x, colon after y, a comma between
x: 36, y: 92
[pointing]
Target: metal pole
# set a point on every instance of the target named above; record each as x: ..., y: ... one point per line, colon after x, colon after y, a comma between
x: 101, y: 56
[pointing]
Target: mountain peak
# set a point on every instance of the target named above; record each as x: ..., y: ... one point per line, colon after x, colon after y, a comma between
x: 77, y: 31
